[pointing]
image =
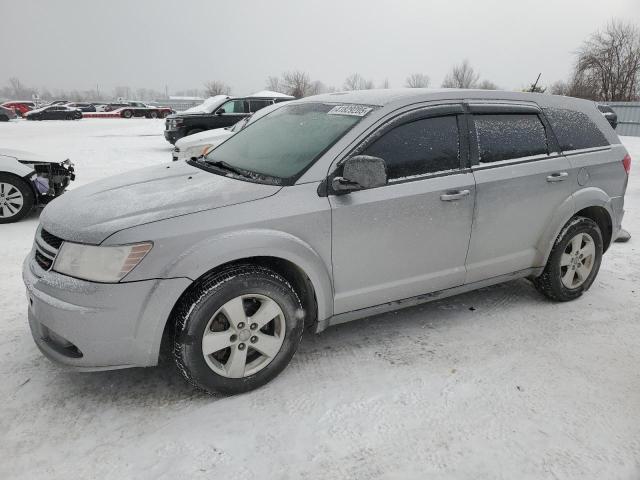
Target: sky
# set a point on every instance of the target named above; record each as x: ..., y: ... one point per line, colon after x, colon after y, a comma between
x: 180, y: 44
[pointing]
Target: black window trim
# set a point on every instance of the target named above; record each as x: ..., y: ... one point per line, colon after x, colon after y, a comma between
x: 553, y: 150
x: 396, y: 119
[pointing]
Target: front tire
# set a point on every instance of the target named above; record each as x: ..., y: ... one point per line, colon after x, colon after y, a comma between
x: 237, y: 330
x: 4, y: 118
x: 574, y: 261
x: 16, y: 198
x: 127, y: 114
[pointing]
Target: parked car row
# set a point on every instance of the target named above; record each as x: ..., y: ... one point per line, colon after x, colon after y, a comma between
x: 126, y: 109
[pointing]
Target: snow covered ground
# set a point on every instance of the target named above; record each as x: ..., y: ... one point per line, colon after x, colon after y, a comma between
x: 498, y: 383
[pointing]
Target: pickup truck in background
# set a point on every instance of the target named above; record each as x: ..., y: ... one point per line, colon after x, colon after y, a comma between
x: 218, y: 112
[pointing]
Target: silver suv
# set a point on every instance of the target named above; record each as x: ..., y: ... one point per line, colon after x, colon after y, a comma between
x: 329, y: 209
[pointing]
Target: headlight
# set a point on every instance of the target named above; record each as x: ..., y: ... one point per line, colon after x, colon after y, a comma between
x: 195, y: 151
x: 99, y: 264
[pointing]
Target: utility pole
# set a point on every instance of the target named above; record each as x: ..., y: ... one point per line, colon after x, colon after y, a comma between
x: 535, y: 84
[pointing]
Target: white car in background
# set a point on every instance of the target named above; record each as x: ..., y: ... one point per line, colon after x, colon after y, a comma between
x: 202, y: 143
x: 29, y: 180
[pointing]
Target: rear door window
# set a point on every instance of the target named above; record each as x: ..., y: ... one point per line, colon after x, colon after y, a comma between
x: 256, y: 105
x: 419, y: 147
x: 508, y: 136
x: 574, y: 130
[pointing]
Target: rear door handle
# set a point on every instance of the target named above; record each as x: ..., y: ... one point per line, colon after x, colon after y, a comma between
x: 452, y: 196
x: 557, y: 177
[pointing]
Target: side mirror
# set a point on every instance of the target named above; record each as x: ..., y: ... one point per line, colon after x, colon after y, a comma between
x: 361, y: 171
x: 220, y: 111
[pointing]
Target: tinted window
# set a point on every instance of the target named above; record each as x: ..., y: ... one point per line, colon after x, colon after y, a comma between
x: 258, y: 104
x: 423, y: 146
x: 507, y: 136
x: 574, y: 130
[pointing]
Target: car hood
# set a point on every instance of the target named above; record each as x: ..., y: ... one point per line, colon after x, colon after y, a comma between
x: 91, y: 213
x: 26, y: 157
x: 203, y: 138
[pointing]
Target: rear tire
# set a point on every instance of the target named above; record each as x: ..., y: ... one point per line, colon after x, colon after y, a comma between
x: 252, y: 320
x: 4, y: 118
x: 127, y: 114
x: 153, y: 115
x: 574, y: 261
x: 16, y: 198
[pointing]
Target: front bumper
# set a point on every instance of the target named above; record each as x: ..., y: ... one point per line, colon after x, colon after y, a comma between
x: 93, y: 326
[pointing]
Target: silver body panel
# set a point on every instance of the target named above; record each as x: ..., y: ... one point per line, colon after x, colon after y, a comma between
x: 364, y: 252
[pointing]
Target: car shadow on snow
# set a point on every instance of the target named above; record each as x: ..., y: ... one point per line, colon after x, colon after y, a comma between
x: 163, y: 384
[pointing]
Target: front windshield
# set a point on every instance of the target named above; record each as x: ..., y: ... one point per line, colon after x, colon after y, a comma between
x: 287, y: 141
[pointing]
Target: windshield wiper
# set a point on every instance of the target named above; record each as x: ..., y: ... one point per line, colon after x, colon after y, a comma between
x: 222, y: 165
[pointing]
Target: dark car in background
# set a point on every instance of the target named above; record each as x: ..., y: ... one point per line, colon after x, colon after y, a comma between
x: 83, y: 107
x: 609, y: 114
x: 54, y: 112
x: 138, y: 109
x: 224, y: 112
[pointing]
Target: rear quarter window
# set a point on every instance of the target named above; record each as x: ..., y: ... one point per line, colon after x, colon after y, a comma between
x: 574, y: 130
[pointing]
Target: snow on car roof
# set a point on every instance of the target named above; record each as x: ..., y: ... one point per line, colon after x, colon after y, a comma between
x: 209, y: 105
x: 270, y: 94
x: 402, y: 96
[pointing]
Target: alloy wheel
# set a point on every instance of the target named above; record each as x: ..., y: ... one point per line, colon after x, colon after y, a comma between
x: 243, y: 336
x: 11, y: 200
x: 577, y: 261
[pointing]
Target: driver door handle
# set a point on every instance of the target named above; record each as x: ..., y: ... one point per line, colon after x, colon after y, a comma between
x: 557, y: 177
x: 454, y: 195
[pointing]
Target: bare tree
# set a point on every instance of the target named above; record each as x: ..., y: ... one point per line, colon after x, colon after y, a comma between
x: 487, y: 85
x: 357, y: 82
x: 461, y: 76
x: 610, y: 60
x: 296, y: 83
x: 417, y: 80
x: 273, y: 84
x: 385, y: 84
x: 122, y: 92
x: 16, y: 86
x: 318, y: 87
x: 216, y: 87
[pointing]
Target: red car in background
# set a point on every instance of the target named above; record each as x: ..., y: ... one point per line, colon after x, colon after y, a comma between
x: 19, y: 107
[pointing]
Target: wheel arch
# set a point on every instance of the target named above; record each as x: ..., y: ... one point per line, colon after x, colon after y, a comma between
x: 289, y: 256
x: 591, y: 202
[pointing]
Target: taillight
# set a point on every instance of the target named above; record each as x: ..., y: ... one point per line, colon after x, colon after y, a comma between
x: 626, y: 163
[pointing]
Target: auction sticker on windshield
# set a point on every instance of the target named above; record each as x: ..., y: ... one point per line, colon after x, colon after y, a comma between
x: 355, y: 110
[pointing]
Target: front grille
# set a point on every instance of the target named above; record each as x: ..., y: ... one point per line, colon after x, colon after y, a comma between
x: 46, y: 248
x: 50, y: 239
x: 44, y: 262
